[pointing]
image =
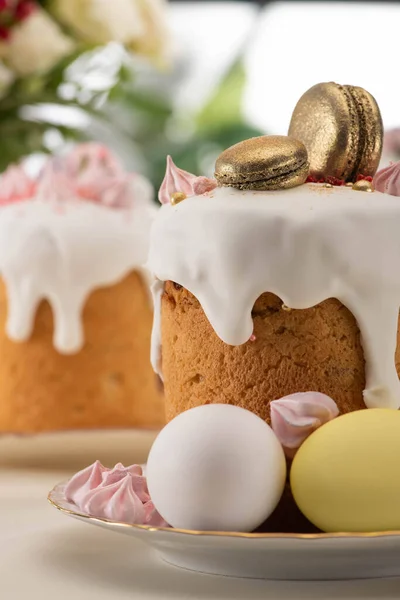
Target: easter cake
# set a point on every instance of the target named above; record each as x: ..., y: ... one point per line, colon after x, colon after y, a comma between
x: 276, y: 334
x: 275, y: 281
x: 75, y: 306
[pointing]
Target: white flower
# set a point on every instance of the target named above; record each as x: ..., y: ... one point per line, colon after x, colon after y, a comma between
x: 36, y: 44
x: 139, y: 25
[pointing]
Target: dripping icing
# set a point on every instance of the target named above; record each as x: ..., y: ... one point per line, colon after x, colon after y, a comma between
x: 61, y: 253
x: 305, y: 245
x: 157, y: 290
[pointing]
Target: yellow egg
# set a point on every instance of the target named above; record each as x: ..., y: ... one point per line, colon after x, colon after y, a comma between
x: 346, y: 475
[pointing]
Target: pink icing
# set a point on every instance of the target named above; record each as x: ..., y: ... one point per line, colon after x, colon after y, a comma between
x: 118, y: 494
x: 178, y: 180
x: 295, y: 417
x: 387, y: 180
x: 15, y: 185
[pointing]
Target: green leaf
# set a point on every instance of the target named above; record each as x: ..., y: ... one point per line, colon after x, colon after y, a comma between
x: 224, y: 108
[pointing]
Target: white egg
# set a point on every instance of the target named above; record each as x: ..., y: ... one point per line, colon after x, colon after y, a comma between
x: 218, y: 468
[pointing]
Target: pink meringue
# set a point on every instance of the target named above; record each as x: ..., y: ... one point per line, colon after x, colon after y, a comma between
x: 86, y: 480
x: 89, y: 172
x: 295, y: 417
x: 119, y: 473
x: 178, y: 180
x: 54, y: 182
x: 387, y: 180
x: 118, y: 494
x: 86, y: 161
x: 117, y: 501
x: 391, y: 142
x: 97, y: 175
x: 15, y: 185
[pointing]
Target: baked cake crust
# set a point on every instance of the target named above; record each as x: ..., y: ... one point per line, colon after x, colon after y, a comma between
x: 316, y: 349
x: 109, y: 383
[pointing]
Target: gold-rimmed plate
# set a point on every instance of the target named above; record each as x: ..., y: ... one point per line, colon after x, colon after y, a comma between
x: 261, y: 555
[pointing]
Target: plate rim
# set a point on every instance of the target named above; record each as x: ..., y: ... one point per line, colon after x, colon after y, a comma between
x: 59, y: 488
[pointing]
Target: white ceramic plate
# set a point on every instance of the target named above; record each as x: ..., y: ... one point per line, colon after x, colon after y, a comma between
x: 262, y: 556
x: 76, y: 449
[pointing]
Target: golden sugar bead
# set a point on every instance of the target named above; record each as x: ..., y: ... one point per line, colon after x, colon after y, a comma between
x: 363, y: 186
x: 286, y: 308
x: 177, y: 197
x: 349, y: 184
x: 328, y: 185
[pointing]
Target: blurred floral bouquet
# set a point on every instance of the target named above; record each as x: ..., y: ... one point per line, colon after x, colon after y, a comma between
x: 73, y: 70
x: 50, y: 54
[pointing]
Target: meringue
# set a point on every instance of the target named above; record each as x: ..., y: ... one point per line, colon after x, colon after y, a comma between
x: 178, y: 180
x: 387, y: 180
x: 84, y: 481
x: 295, y: 417
x: 118, y: 494
x: 15, y: 185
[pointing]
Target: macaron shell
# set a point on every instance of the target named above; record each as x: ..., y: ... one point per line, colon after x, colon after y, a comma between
x: 251, y: 164
x: 325, y: 119
x: 345, y: 477
x: 285, y: 181
x: 341, y: 127
x: 372, y: 129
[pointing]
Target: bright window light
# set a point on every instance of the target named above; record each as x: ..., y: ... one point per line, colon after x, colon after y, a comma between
x: 300, y: 44
x: 208, y: 36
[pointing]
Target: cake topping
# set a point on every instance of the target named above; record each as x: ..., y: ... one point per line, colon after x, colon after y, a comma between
x: 119, y: 494
x: 89, y: 172
x: 98, y: 176
x: 54, y: 182
x: 295, y: 417
x: 83, y: 224
x: 179, y: 184
x: 15, y: 185
x: 362, y: 185
x: 341, y: 127
x: 263, y: 163
x: 387, y: 180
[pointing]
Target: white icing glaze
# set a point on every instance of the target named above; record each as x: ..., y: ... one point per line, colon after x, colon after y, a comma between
x: 62, y: 251
x: 305, y: 245
x: 157, y: 289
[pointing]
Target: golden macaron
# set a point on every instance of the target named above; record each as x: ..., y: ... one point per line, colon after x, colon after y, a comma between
x: 341, y: 127
x: 263, y: 163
